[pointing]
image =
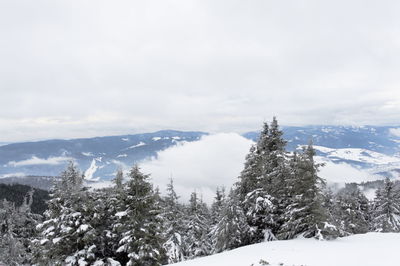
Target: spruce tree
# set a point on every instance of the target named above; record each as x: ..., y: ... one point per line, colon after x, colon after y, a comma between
x: 386, y: 208
x: 197, y: 227
x: 217, y: 205
x: 352, y: 210
x: 119, y: 177
x: 139, y: 223
x: 66, y: 235
x: 263, y: 184
x: 17, y: 230
x: 173, y: 224
x: 232, y: 227
x: 306, y: 215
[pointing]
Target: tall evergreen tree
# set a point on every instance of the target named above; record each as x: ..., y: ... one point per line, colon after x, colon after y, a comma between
x: 306, y: 214
x: 262, y: 186
x: 119, y: 177
x: 17, y: 230
x: 197, y: 228
x: 386, y: 208
x: 232, y: 227
x: 139, y: 223
x: 217, y: 205
x: 352, y: 210
x: 66, y: 236
x: 173, y: 224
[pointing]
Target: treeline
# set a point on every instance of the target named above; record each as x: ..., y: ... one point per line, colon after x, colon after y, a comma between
x: 15, y: 193
x: 279, y: 195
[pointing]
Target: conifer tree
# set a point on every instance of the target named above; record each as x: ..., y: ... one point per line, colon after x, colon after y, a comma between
x: 306, y: 214
x: 66, y: 236
x: 232, y: 227
x: 17, y: 230
x: 217, y: 205
x: 386, y: 208
x: 119, y: 177
x: 197, y: 228
x: 352, y: 210
x: 139, y: 223
x: 262, y: 186
x: 173, y: 224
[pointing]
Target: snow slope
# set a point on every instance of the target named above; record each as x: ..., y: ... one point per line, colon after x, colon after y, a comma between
x: 371, y: 249
x: 358, y: 155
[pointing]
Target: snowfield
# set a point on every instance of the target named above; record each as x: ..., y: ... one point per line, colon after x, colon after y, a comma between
x: 371, y: 249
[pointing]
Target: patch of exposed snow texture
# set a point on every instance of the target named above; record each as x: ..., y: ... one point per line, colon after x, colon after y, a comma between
x: 363, y: 249
x: 156, y: 138
x: 125, y: 139
x: 122, y: 155
x: 56, y: 240
x: 100, y: 184
x: 91, y: 170
x: 49, y: 230
x: 112, y: 262
x: 82, y: 262
x: 83, y: 228
x: 343, y: 172
x: 137, y: 145
x: 370, y: 193
x: 88, y: 154
x: 358, y: 155
x: 121, y: 214
x: 176, y: 138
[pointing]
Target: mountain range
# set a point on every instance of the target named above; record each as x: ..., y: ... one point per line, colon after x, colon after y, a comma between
x: 375, y: 148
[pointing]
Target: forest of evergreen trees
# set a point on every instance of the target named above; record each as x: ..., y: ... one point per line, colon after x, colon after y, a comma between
x: 16, y: 192
x: 278, y: 195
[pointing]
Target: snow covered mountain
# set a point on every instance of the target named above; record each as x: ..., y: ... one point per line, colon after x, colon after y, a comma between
x: 375, y: 150
x: 382, y: 139
x: 98, y: 157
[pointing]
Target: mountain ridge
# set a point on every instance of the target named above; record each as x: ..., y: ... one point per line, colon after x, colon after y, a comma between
x: 100, y: 157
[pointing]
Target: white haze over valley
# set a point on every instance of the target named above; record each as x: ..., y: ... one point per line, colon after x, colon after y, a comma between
x: 214, y: 160
x: 217, y: 160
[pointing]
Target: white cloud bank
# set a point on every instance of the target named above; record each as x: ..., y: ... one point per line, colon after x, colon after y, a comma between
x: 213, y: 161
x: 18, y: 174
x: 217, y: 160
x: 39, y: 161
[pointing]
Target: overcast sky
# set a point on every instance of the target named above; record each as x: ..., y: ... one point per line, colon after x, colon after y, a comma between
x: 91, y: 68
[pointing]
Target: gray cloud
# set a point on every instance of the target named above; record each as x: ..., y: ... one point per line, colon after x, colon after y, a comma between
x: 76, y: 69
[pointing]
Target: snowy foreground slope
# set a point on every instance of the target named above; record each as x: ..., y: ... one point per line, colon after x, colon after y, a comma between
x: 371, y: 249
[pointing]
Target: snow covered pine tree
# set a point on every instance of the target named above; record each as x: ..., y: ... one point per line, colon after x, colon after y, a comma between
x: 386, y: 208
x: 139, y: 223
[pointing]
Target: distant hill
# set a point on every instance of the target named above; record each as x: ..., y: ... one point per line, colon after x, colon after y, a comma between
x: 375, y: 148
x: 40, y: 182
x: 382, y: 139
x: 98, y: 157
x: 16, y: 193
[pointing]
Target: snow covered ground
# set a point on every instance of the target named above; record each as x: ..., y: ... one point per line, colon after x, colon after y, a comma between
x: 371, y: 249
